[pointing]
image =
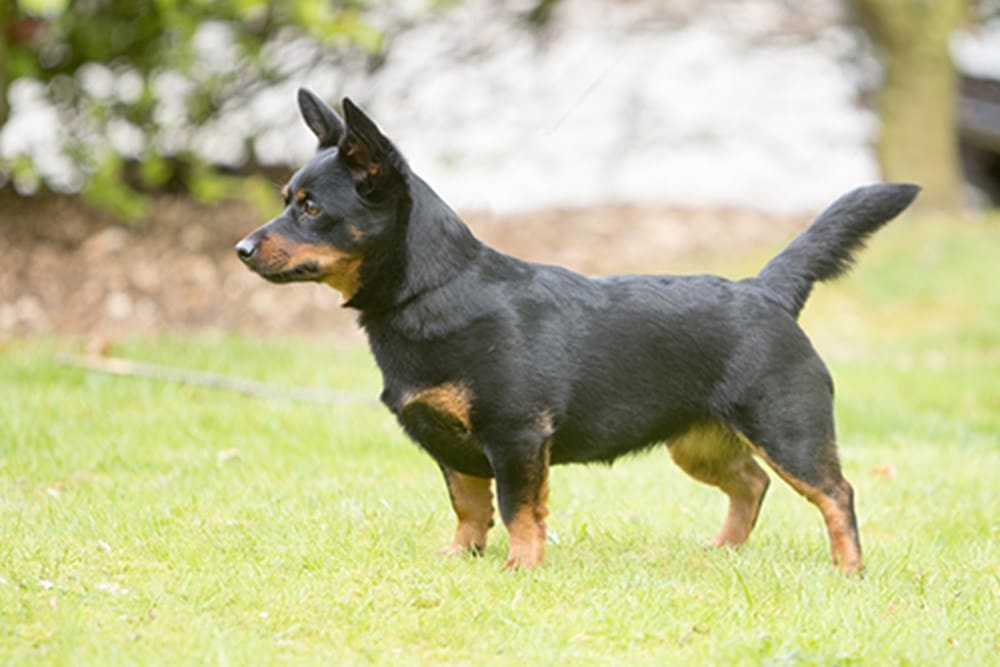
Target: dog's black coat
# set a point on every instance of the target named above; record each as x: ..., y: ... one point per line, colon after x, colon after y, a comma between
x: 555, y: 367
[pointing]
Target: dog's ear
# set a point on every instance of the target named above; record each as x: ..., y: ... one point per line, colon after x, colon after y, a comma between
x: 320, y: 118
x: 372, y: 157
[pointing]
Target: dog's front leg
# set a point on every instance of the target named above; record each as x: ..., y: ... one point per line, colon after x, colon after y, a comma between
x: 473, y: 503
x: 522, y: 475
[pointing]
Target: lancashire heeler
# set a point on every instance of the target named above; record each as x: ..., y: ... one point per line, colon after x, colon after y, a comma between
x: 500, y: 368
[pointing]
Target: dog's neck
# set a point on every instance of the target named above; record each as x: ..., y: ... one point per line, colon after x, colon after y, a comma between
x: 430, y: 247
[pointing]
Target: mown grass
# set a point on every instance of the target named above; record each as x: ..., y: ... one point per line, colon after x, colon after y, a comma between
x: 153, y: 523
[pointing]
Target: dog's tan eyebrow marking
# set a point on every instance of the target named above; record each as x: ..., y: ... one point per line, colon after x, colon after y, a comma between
x: 286, y: 194
x: 300, y: 195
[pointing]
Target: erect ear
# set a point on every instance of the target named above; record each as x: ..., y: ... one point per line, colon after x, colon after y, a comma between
x: 370, y: 154
x: 320, y: 118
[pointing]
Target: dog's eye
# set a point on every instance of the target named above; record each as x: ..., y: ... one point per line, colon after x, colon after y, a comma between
x: 311, y: 208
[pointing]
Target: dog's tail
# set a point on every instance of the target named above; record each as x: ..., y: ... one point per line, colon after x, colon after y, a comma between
x: 826, y: 249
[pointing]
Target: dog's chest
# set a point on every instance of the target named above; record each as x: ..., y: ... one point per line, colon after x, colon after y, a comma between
x: 439, y: 418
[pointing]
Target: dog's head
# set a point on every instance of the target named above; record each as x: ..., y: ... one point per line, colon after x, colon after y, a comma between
x: 337, y: 206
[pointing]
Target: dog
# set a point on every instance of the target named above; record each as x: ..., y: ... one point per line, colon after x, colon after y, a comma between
x: 500, y: 368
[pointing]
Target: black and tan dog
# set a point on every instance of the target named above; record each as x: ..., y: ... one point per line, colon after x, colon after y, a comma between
x: 500, y: 368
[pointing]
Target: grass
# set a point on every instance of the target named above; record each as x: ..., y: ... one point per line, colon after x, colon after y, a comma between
x: 151, y: 523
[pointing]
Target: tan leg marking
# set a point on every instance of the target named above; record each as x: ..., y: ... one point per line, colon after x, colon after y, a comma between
x: 527, y: 528
x: 473, y: 503
x: 844, y: 544
x: 527, y: 536
x: 712, y: 454
x: 837, y: 508
x: 450, y: 401
x: 746, y: 488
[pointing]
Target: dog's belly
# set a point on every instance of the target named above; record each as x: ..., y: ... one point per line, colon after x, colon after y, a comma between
x: 604, y: 430
x: 574, y: 446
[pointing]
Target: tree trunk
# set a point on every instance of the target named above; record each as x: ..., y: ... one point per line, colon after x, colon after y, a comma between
x: 917, y: 103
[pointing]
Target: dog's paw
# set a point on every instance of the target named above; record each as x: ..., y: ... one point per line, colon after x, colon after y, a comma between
x: 453, y: 550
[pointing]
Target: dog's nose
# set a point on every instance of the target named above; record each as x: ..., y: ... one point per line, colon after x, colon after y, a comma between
x: 246, y: 249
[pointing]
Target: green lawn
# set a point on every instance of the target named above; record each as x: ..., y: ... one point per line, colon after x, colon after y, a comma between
x: 151, y: 523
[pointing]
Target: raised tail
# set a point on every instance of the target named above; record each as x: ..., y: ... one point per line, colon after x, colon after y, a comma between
x: 826, y: 249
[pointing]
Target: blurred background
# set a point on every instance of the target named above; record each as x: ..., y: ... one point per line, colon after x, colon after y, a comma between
x: 140, y: 140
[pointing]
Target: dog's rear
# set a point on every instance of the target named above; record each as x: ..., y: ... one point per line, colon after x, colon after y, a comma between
x: 784, y: 413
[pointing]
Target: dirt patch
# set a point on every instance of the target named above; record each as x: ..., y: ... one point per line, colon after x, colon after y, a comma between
x: 65, y: 269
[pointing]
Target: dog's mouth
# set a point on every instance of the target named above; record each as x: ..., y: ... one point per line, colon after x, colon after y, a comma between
x: 300, y: 273
x: 337, y: 269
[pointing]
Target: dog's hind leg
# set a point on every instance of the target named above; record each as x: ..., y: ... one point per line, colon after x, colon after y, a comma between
x: 713, y: 454
x: 473, y: 503
x: 825, y: 487
x: 795, y: 436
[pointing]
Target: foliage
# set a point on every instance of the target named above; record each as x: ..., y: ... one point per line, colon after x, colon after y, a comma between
x: 149, y: 523
x: 133, y: 81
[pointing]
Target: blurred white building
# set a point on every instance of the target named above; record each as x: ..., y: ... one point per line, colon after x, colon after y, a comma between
x: 730, y: 103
